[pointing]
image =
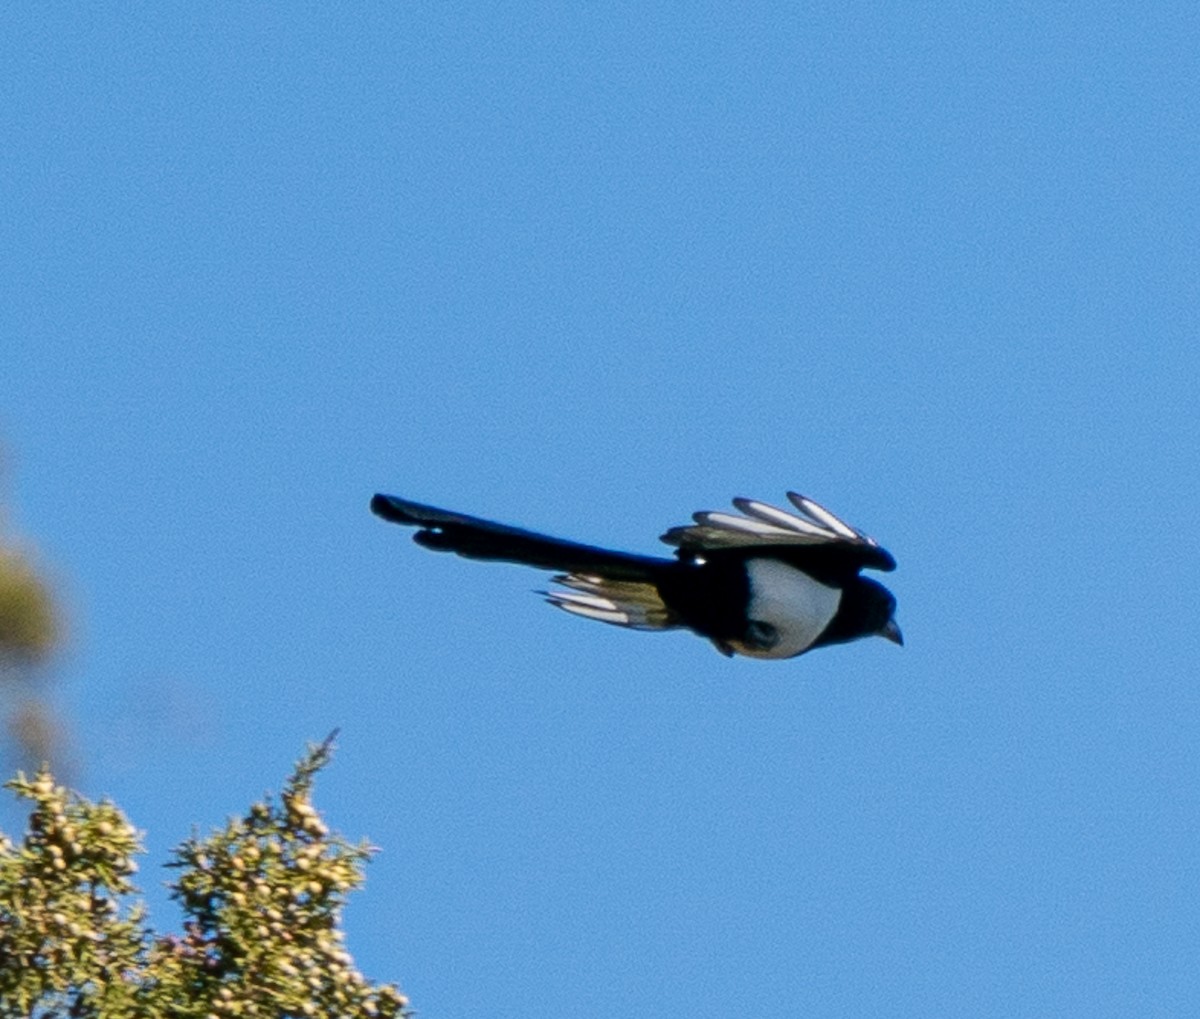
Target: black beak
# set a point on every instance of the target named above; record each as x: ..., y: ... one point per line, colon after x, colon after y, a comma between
x: 892, y: 633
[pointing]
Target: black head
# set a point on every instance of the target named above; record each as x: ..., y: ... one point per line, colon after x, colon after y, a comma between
x: 867, y: 609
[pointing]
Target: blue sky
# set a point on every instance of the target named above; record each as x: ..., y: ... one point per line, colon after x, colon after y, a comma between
x: 588, y: 271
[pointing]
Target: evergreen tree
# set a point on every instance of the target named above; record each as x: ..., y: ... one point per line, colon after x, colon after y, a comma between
x: 262, y: 900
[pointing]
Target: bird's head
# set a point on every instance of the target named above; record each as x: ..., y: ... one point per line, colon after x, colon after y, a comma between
x: 867, y: 610
x: 880, y: 611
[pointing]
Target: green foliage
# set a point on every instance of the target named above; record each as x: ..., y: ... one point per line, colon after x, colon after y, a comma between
x: 262, y: 900
x: 63, y: 925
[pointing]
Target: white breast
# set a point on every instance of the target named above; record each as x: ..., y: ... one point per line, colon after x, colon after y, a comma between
x: 789, y: 600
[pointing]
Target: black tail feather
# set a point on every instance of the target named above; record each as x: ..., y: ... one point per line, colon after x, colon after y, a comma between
x: 445, y: 531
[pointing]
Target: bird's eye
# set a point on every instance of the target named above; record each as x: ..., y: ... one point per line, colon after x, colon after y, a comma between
x: 761, y: 635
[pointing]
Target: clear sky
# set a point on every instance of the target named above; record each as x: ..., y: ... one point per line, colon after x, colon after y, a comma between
x: 588, y: 271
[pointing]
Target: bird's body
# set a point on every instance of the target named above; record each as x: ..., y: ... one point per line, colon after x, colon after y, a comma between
x: 766, y: 584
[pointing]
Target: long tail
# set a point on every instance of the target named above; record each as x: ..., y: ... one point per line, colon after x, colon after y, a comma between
x: 474, y: 538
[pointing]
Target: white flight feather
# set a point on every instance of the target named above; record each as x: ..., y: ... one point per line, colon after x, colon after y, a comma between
x: 619, y: 602
x: 763, y: 524
x: 817, y: 512
x: 744, y: 524
x: 781, y: 518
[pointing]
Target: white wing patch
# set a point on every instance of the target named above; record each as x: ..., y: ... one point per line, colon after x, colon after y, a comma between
x: 763, y: 524
x: 619, y: 602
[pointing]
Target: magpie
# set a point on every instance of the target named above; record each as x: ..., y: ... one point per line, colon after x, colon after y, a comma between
x: 766, y: 583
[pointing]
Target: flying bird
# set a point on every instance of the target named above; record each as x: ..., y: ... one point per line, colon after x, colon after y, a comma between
x: 765, y: 582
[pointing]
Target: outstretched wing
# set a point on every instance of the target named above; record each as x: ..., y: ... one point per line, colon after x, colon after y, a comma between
x: 765, y: 525
x: 638, y: 606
